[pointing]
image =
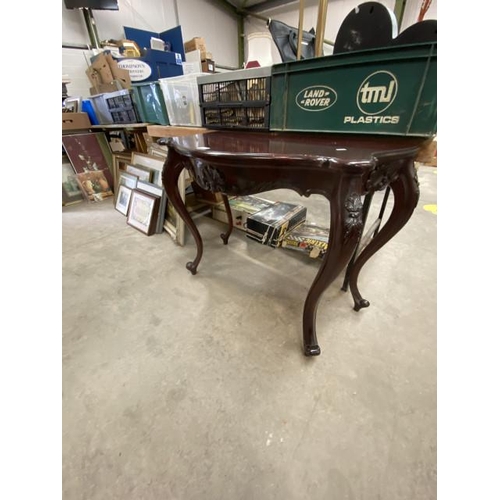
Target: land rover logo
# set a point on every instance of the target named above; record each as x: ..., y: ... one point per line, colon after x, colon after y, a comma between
x: 138, y: 70
x: 316, y: 98
x: 377, y: 92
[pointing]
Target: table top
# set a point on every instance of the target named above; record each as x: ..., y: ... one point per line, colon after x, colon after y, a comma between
x: 344, y: 149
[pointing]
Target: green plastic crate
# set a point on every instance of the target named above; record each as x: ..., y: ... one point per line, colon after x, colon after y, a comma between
x: 149, y: 101
x: 389, y: 91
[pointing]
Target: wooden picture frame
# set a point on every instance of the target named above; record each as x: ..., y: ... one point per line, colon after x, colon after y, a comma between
x: 120, y: 162
x: 142, y: 173
x: 129, y: 180
x: 149, y: 187
x: 123, y: 197
x: 89, y: 152
x: 151, y: 162
x: 94, y: 185
x: 143, y: 212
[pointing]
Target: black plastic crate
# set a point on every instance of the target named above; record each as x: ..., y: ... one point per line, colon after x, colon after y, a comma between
x: 237, y: 99
x: 236, y: 117
x: 121, y: 106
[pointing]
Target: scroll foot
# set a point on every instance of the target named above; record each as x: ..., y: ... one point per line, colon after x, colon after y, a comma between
x: 312, y: 350
x: 361, y: 304
x: 190, y: 266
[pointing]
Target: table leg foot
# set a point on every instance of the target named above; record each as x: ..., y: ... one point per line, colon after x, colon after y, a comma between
x: 191, y: 266
x: 312, y: 350
x: 361, y: 304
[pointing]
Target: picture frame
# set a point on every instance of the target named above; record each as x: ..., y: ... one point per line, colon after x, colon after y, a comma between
x: 142, y: 173
x: 159, y: 191
x: 73, y: 104
x: 143, y: 212
x: 120, y: 162
x: 123, y: 197
x: 151, y: 162
x: 71, y: 192
x: 85, y: 152
x: 129, y: 180
x: 174, y: 225
x: 94, y: 185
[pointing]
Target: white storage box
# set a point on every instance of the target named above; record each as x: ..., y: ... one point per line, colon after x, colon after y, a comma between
x: 182, y: 99
x: 101, y: 109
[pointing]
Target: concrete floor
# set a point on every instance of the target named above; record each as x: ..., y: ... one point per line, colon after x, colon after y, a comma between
x: 182, y: 387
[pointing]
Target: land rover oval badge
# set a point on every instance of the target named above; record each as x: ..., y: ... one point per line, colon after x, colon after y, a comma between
x: 316, y: 98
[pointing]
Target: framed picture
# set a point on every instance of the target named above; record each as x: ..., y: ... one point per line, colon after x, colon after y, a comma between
x: 128, y: 180
x: 71, y: 192
x: 143, y: 173
x: 73, y: 104
x: 119, y: 164
x: 174, y: 225
x: 149, y: 187
x: 94, y: 185
x: 143, y: 211
x: 86, y: 153
x: 123, y: 199
x: 151, y: 162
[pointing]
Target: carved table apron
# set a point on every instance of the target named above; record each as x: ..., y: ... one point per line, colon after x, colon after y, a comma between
x: 342, y: 168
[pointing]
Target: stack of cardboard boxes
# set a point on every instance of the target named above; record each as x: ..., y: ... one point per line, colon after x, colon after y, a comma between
x: 105, y: 75
x: 196, y: 51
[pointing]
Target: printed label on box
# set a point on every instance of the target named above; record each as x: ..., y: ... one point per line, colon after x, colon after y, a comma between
x: 138, y: 70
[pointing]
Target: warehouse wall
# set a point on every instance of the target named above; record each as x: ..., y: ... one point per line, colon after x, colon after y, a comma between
x: 196, y: 17
x: 337, y: 11
x: 202, y: 18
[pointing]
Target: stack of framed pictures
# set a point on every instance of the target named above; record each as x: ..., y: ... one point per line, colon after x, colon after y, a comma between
x: 139, y: 196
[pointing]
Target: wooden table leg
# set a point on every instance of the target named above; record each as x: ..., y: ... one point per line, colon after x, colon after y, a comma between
x: 346, y: 224
x: 406, y: 194
x: 225, y: 236
x: 172, y: 169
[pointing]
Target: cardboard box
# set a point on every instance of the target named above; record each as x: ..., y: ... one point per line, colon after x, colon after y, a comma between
x: 268, y: 226
x: 196, y: 43
x: 104, y: 69
x: 102, y: 88
x: 75, y: 121
x: 428, y: 154
x: 208, y: 67
x: 307, y: 238
x: 198, y: 55
x: 241, y: 208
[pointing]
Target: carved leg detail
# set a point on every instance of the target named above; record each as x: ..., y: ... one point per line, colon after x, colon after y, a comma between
x: 406, y: 195
x: 171, y: 171
x: 225, y: 236
x: 366, y: 210
x: 345, y: 227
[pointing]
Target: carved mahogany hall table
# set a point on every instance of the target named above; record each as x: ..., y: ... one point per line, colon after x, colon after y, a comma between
x: 342, y: 168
